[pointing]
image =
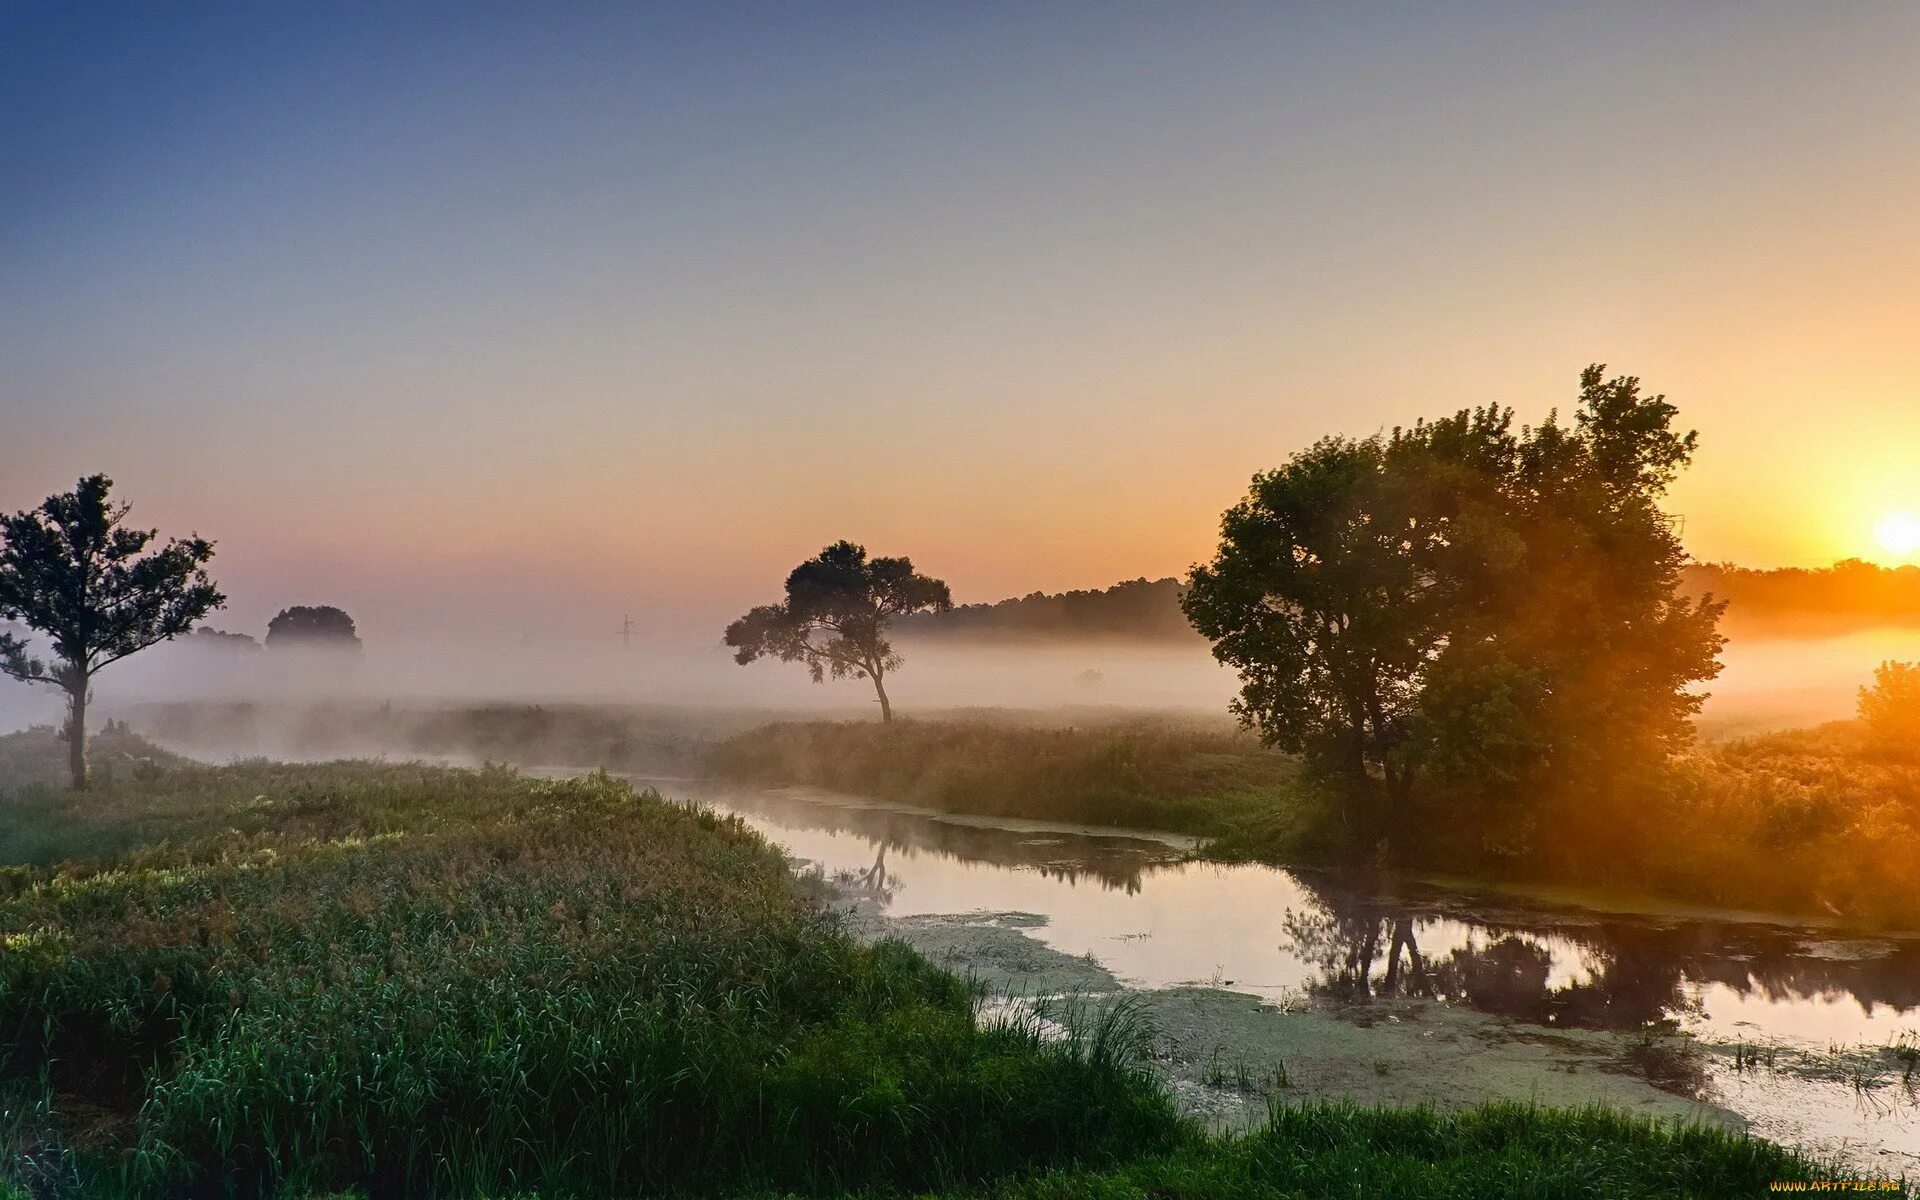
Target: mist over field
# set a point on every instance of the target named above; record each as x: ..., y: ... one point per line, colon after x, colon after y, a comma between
x: 958, y: 602
x: 1768, y: 682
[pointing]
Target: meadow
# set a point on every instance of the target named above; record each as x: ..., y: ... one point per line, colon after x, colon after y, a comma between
x: 381, y: 980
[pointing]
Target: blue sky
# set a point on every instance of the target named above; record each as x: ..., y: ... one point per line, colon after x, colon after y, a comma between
x: 589, y: 307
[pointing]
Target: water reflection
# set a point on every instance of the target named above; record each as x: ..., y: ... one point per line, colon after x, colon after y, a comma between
x: 1575, y: 969
x: 1153, y: 917
x: 1109, y: 862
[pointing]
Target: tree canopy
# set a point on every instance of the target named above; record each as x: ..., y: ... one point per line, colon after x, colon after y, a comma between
x: 98, y: 590
x: 834, y: 619
x: 317, y: 627
x: 1469, y: 617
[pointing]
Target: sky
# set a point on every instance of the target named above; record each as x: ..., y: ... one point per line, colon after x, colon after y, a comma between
x: 477, y: 318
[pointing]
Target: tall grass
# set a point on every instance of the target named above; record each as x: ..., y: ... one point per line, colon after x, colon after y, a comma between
x: 1163, y: 775
x: 433, y: 982
x: 385, y: 981
x: 1816, y: 819
x: 1329, y: 1151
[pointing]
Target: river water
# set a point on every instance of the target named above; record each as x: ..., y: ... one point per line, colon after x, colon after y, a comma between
x: 1799, y: 1028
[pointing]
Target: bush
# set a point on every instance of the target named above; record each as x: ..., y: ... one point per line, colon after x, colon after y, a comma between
x: 1890, y: 709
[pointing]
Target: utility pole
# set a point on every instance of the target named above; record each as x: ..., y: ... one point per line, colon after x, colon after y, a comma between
x: 626, y: 633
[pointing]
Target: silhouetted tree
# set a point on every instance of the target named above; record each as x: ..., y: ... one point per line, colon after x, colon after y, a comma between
x: 321, y: 627
x: 1458, y: 612
x: 74, y: 572
x: 836, y: 614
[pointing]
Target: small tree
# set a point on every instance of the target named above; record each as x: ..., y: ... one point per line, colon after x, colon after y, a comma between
x: 319, y: 627
x: 72, y: 571
x: 835, y: 617
x: 1890, y: 708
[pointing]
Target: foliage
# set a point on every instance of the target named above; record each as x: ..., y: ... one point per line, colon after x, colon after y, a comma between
x: 417, y: 981
x: 1890, y: 709
x: 221, y: 641
x: 1816, y: 819
x: 1466, y: 622
x: 1143, y: 775
x: 1135, y: 610
x: 73, y: 570
x: 1329, y: 1151
x: 316, y: 627
x: 835, y: 617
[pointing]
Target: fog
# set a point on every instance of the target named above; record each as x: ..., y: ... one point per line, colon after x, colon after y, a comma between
x: 1768, y: 683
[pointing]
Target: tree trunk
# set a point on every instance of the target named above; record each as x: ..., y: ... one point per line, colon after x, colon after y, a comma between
x: 886, y: 709
x: 77, y: 733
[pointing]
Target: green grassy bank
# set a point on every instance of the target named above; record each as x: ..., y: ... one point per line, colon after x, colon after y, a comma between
x: 402, y: 981
x: 1814, y: 821
x: 1182, y: 778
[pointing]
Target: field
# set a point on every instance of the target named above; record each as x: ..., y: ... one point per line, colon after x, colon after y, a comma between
x: 295, y: 980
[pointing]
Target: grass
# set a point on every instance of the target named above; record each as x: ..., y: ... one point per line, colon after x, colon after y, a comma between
x: 387, y: 981
x: 38, y: 756
x: 1814, y: 820
x: 1181, y: 778
x: 1818, y: 821
x: 1315, y: 1151
x: 419, y: 981
x: 621, y: 738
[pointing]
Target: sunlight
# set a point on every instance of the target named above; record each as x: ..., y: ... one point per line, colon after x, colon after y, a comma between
x: 1899, y: 534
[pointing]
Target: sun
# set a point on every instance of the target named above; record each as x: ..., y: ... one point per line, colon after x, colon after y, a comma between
x: 1899, y: 534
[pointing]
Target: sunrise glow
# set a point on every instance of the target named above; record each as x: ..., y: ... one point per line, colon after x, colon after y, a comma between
x: 1898, y: 535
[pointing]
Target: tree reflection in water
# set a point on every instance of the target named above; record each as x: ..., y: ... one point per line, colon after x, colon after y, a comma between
x: 1570, y: 968
x: 1361, y: 940
x: 1115, y: 863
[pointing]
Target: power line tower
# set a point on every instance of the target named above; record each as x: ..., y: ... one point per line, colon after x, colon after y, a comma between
x: 626, y: 633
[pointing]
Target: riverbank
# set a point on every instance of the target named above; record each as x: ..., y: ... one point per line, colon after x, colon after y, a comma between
x: 419, y: 981
x: 1808, y: 821
x: 1202, y: 779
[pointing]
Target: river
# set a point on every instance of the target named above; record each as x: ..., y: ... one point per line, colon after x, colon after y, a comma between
x: 1797, y: 1030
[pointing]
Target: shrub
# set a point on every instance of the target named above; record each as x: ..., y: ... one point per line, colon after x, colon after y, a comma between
x: 1890, y: 709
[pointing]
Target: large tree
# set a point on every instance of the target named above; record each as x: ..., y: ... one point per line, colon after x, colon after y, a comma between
x: 835, y: 617
x: 1464, y: 614
x: 97, y: 590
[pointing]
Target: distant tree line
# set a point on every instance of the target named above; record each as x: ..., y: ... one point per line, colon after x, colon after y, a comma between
x: 1849, y: 593
x: 1136, y: 610
x: 302, y: 627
